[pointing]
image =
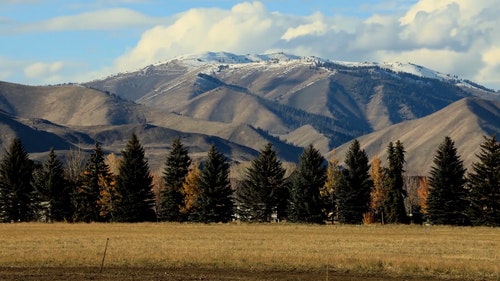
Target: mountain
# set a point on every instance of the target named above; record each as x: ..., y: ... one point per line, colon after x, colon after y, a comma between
x: 465, y: 121
x: 241, y: 102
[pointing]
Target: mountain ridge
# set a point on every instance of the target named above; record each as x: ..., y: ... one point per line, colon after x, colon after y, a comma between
x: 243, y: 101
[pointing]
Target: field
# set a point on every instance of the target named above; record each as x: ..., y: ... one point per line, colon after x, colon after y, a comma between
x: 165, y: 251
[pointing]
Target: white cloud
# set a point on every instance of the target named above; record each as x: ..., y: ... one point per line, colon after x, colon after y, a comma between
x: 454, y: 36
x: 448, y: 35
x: 107, y: 19
x: 247, y: 27
x: 42, y: 69
x: 317, y: 26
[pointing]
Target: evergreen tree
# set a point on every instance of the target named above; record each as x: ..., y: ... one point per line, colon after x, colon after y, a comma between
x: 258, y: 195
x: 214, y: 204
x: 88, y: 194
x: 134, y: 185
x: 447, y: 199
x: 174, y: 174
x: 17, y: 195
x: 484, y: 183
x: 305, y: 201
x: 394, y: 208
x: 54, y: 189
x: 353, y: 194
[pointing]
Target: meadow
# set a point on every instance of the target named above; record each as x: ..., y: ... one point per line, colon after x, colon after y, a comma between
x: 389, y: 251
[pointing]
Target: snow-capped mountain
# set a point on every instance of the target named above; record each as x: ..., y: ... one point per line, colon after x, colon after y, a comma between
x: 242, y: 102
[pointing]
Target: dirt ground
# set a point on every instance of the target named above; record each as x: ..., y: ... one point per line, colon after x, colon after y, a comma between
x: 178, y: 274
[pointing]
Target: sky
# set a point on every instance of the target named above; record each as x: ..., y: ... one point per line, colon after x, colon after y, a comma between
x: 58, y: 41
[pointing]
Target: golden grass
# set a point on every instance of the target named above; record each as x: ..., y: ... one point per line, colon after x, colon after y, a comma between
x: 455, y: 252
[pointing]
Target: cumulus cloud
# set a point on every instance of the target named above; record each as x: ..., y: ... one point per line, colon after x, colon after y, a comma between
x: 316, y: 27
x: 247, y: 27
x: 452, y: 36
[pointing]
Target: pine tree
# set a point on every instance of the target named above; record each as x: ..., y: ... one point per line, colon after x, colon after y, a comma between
x: 447, y: 200
x: 394, y: 208
x: 175, y: 170
x: 17, y: 195
x: 258, y: 195
x: 134, y: 186
x: 484, y: 183
x: 353, y: 194
x: 88, y: 194
x: 305, y: 201
x: 54, y: 189
x: 214, y: 204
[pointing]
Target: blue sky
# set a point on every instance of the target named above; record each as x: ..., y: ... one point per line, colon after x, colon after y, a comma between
x: 55, y: 41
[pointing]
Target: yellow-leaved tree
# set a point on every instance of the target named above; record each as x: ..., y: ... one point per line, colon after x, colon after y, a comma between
x: 377, y: 194
x: 191, y: 189
x: 327, y: 193
x: 423, y: 192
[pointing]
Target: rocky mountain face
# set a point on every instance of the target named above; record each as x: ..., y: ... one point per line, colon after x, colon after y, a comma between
x: 241, y: 102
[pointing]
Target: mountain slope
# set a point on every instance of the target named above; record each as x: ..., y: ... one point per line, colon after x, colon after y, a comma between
x: 241, y: 102
x: 67, y: 104
x: 465, y: 121
x: 281, y: 93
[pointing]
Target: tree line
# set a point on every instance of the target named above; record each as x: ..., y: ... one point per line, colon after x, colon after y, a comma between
x: 120, y: 189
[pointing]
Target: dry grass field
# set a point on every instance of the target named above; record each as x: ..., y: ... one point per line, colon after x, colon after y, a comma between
x: 165, y: 251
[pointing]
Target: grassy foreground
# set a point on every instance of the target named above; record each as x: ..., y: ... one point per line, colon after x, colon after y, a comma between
x: 421, y: 251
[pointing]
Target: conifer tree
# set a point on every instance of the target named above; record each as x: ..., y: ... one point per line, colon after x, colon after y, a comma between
x: 214, y: 204
x: 259, y: 193
x: 88, y: 194
x: 305, y: 202
x: 54, y: 189
x: 17, y: 195
x: 447, y: 199
x: 175, y: 170
x: 353, y: 194
x: 393, y: 203
x: 134, y: 185
x: 484, y: 183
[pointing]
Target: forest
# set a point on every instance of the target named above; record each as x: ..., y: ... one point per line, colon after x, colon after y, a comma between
x: 111, y: 188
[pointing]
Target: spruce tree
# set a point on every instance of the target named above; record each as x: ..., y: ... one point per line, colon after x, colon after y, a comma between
x: 54, y: 189
x: 355, y: 184
x: 18, y: 199
x: 88, y: 195
x: 393, y: 202
x: 215, y: 202
x: 306, y: 204
x: 258, y: 195
x: 447, y: 199
x: 134, y: 185
x: 175, y: 170
x: 484, y: 184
